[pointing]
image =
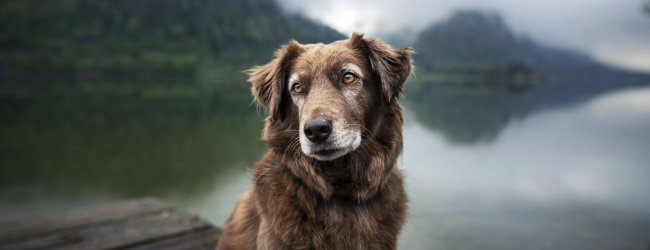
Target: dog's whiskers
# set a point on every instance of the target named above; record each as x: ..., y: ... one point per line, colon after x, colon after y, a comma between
x: 295, y: 141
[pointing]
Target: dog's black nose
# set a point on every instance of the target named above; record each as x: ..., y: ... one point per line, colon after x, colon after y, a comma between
x: 318, y: 129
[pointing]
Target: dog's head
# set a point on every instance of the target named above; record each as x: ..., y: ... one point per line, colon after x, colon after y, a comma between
x: 328, y: 94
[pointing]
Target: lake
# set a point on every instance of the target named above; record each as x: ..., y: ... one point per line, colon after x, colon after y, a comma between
x: 574, y: 176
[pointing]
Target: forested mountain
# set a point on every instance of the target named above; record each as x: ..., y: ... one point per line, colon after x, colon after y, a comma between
x: 150, y: 48
x: 479, y: 39
x: 467, y: 37
x: 122, y: 33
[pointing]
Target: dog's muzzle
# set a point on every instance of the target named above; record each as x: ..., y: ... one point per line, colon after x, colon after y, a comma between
x: 325, y: 140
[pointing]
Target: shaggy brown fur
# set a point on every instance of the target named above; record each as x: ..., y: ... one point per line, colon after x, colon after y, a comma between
x: 356, y: 201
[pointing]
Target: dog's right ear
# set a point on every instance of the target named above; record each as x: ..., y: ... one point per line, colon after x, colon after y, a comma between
x: 270, y: 80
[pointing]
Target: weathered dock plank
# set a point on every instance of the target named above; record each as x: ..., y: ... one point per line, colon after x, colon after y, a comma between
x: 205, y: 239
x: 139, y: 224
x: 96, y: 214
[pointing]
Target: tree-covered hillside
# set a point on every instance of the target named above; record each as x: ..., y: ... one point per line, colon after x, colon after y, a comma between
x: 480, y: 40
x: 123, y: 34
x: 467, y: 37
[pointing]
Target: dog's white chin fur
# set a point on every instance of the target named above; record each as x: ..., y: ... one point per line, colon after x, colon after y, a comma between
x: 346, y: 143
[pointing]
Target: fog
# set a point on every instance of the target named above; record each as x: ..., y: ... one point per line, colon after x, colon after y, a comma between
x: 613, y: 31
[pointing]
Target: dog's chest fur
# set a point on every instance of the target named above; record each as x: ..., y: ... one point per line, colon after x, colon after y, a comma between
x: 308, y: 221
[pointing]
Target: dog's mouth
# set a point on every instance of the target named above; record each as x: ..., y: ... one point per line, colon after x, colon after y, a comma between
x: 327, y: 151
x: 328, y: 154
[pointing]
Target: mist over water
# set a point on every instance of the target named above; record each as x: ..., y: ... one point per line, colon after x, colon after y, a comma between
x: 614, y: 32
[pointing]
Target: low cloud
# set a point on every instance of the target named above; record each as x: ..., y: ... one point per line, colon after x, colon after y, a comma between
x: 612, y: 31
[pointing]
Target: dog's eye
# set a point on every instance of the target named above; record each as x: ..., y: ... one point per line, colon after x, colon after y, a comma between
x: 297, y: 87
x: 349, y: 78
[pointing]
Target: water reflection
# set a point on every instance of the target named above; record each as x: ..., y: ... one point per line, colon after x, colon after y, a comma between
x: 478, y: 113
x: 127, y: 161
x: 57, y: 152
x: 465, y: 113
x: 574, y: 178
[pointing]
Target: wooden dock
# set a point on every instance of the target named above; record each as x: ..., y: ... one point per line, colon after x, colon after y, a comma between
x: 138, y: 224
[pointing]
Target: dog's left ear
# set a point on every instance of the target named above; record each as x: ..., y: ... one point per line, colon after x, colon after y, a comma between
x: 392, y: 66
x: 269, y: 80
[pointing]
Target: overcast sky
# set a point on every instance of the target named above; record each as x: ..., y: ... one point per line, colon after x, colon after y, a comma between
x: 613, y: 31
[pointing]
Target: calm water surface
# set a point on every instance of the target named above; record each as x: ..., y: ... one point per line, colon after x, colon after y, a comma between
x: 575, y: 177
x: 571, y: 178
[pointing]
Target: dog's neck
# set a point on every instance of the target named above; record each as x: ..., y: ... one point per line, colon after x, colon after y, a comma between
x: 350, y: 176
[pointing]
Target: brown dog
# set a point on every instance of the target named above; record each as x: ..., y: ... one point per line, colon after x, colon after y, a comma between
x: 334, y: 131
